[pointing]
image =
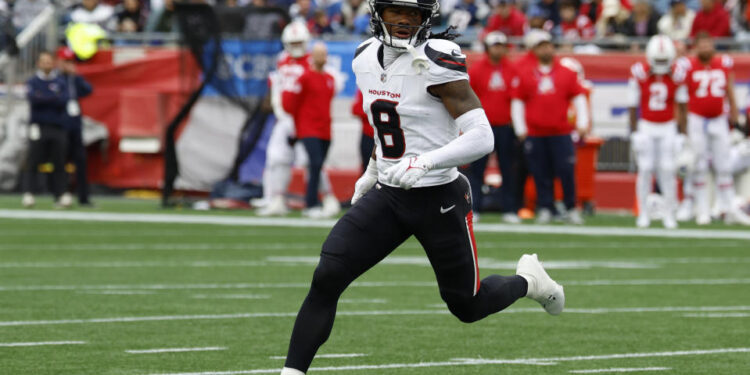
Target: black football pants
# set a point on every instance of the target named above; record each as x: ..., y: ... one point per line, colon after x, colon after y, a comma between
x: 51, y: 146
x: 440, y: 218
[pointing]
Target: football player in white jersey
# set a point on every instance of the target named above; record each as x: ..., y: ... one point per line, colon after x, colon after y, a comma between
x: 417, y: 97
x: 281, y: 149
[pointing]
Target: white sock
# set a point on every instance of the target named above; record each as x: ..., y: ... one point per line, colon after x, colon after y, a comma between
x: 291, y: 371
x: 700, y: 193
x: 668, y: 184
x: 725, y: 196
x: 642, y: 189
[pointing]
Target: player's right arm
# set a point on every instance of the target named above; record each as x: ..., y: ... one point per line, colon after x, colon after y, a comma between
x: 637, y: 72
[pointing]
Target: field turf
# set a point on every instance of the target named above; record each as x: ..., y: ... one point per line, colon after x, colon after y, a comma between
x: 104, y: 297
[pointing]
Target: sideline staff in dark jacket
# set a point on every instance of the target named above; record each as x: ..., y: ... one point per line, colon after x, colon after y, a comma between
x: 48, y: 138
x: 77, y: 87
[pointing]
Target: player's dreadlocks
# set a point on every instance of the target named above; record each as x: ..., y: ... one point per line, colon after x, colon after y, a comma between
x: 448, y: 34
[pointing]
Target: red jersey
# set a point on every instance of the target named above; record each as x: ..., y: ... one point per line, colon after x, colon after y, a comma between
x: 707, y: 85
x: 580, y: 28
x: 715, y: 22
x: 513, y: 25
x: 547, y: 96
x: 288, y: 70
x: 310, y: 104
x: 657, y: 93
x: 358, y: 111
x: 492, y: 84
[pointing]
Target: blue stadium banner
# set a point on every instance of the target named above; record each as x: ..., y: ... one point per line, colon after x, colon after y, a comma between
x: 248, y: 63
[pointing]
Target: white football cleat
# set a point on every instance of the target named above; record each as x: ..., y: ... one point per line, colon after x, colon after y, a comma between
x: 331, y: 206
x: 275, y: 207
x: 27, y: 201
x: 314, y: 213
x: 643, y: 221
x: 669, y: 221
x: 510, y: 218
x: 736, y: 216
x: 703, y: 219
x: 65, y: 201
x: 574, y: 217
x: 541, y: 287
x: 544, y: 216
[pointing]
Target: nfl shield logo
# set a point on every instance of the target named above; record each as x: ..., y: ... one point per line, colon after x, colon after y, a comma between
x: 383, y: 77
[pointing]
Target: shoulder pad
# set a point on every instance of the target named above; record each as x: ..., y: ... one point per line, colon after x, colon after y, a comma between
x: 445, y: 54
x: 727, y: 62
x: 638, y: 71
x: 363, y: 46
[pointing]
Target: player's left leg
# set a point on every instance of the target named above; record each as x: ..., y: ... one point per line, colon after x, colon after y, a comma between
x: 720, y: 150
x: 505, y: 148
x: 445, y: 231
x: 317, y: 149
x: 667, y: 153
x: 564, y: 164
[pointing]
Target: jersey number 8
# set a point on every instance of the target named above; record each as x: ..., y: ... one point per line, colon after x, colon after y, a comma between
x: 387, y: 121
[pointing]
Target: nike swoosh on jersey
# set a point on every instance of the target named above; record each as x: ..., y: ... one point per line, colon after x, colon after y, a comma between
x: 444, y: 210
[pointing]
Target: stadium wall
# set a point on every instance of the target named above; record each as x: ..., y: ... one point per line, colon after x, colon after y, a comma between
x: 139, y: 89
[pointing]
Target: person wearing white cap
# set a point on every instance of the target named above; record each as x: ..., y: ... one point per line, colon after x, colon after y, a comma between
x: 539, y: 110
x: 491, y: 78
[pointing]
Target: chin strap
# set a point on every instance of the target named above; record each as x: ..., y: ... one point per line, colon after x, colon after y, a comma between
x: 419, y: 62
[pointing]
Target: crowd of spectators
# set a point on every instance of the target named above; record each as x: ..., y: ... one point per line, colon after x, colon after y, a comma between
x: 571, y: 20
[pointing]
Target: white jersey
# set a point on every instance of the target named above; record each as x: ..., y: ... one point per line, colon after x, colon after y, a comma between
x: 408, y: 120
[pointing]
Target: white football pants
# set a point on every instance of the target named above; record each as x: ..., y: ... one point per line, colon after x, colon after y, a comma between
x: 280, y: 157
x: 710, y: 140
x: 654, y: 145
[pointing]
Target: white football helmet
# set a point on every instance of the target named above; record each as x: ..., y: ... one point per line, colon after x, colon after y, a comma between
x: 295, y: 32
x: 573, y: 65
x: 660, y: 53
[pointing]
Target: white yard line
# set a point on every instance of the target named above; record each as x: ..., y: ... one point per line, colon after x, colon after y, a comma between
x: 41, y: 343
x: 196, y: 264
x: 176, y: 350
x: 484, y: 362
x: 718, y: 315
x: 619, y: 370
x: 150, y: 246
x: 364, y: 284
x: 134, y: 319
x: 231, y: 296
x: 119, y: 292
x: 362, y: 300
x: 307, y: 223
x: 347, y: 355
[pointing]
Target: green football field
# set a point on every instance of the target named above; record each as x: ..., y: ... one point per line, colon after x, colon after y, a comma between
x: 130, y: 289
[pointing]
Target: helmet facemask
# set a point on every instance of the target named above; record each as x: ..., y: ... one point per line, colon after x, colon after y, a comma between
x: 428, y: 10
x: 660, y: 53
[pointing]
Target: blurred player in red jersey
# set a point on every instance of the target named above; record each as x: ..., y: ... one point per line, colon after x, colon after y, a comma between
x: 574, y: 25
x: 491, y: 78
x: 539, y: 109
x: 576, y: 66
x: 309, y: 103
x: 281, y: 150
x: 710, y: 82
x: 366, y: 142
x: 654, y: 88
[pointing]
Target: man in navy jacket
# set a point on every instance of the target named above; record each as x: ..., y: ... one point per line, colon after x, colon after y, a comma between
x: 48, y: 137
x: 78, y: 87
